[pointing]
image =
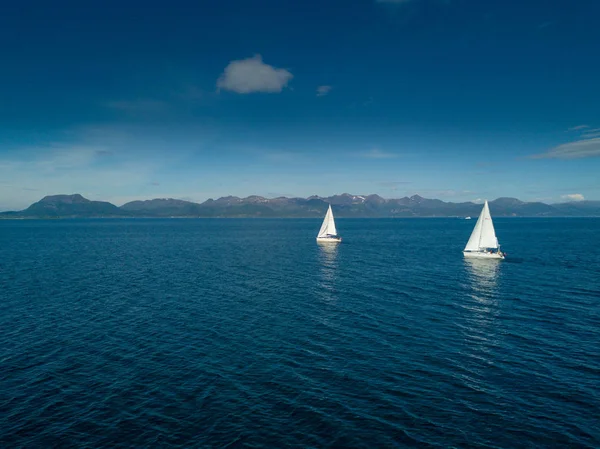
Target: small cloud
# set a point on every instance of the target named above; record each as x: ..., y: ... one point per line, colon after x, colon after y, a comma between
x: 578, y: 128
x: 477, y: 201
x: 28, y: 189
x: 154, y: 183
x: 590, y: 133
x: 573, y: 197
x: 572, y: 150
x: 253, y: 75
x: 323, y: 90
x: 103, y: 153
x: 376, y: 153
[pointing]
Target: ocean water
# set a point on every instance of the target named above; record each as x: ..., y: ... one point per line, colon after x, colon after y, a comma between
x: 246, y: 333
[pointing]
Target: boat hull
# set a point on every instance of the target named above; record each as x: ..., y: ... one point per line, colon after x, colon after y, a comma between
x: 329, y: 239
x: 483, y: 255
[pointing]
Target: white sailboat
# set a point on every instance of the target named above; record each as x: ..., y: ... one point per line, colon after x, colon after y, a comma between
x: 328, y: 232
x: 483, y: 242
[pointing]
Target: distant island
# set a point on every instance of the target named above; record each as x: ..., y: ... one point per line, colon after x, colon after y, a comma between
x: 345, y: 205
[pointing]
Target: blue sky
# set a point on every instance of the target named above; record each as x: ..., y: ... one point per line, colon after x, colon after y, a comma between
x: 454, y: 99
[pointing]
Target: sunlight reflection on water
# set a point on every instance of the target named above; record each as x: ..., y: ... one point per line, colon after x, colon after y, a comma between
x: 328, y: 261
x: 481, y: 325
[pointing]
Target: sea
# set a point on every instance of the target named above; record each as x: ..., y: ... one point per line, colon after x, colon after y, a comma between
x: 227, y: 333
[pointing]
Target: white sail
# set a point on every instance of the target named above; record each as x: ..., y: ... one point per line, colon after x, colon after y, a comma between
x: 488, y: 234
x: 483, y: 235
x: 328, y: 226
x: 473, y: 243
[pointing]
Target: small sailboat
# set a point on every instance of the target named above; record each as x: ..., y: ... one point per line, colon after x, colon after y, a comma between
x: 328, y: 232
x: 483, y: 242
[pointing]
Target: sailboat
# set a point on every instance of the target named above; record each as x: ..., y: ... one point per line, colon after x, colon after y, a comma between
x: 483, y: 242
x: 328, y: 232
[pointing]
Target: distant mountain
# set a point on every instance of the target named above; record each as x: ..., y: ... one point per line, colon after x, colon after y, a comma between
x: 161, y: 207
x: 579, y: 208
x: 345, y: 205
x: 69, y: 206
x: 516, y: 208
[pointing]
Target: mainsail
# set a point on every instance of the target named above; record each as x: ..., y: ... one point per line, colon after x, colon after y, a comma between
x: 328, y: 226
x: 483, y: 236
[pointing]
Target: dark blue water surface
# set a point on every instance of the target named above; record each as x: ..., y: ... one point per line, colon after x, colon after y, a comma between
x: 246, y: 333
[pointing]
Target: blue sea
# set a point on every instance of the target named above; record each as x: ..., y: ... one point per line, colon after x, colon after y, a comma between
x: 226, y: 333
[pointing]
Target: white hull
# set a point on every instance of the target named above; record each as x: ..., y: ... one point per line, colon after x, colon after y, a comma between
x: 329, y: 239
x: 483, y: 255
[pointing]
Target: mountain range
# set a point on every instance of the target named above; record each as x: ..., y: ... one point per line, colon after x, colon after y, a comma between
x: 345, y: 205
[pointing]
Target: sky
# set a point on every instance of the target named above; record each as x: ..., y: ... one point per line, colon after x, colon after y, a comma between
x: 460, y: 100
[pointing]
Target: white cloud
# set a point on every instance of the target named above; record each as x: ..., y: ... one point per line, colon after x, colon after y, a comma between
x: 107, y: 161
x: 253, y: 75
x: 323, y: 90
x: 57, y: 169
x: 376, y: 153
x: 591, y: 133
x: 573, y: 150
x: 573, y: 197
x: 577, y: 128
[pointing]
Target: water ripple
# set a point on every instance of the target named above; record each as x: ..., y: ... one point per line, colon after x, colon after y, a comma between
x: 245, y: 333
